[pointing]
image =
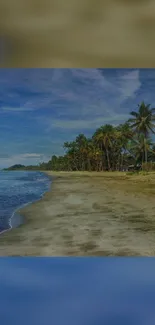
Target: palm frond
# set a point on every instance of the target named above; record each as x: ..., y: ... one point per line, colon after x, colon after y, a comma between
x: 151, y: 130
x: 132, y: 120
x: 135, y: 125
x: 133, y: 113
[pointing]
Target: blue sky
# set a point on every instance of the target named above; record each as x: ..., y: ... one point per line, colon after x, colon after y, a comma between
x: 77, y: 291
x: 42, y: 108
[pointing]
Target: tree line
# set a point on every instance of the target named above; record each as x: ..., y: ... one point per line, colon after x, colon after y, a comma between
x: 110, y: 147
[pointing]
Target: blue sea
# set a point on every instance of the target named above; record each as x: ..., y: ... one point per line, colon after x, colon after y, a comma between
x: 18, y: 188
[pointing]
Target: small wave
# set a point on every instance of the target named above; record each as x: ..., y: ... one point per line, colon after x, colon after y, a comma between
x: 30, y: 191
x: 23, y: 205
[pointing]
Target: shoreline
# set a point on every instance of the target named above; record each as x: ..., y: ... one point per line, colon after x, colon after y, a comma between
x: 30, y: 202
x: 87, y: 214
x: 16, y: 211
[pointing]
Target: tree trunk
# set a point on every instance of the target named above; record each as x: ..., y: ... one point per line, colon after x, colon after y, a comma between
x: 122, y: 161
x: 107, y: 153
x: 145, y: 153
x: 145, y: 147
x: 89, y: 165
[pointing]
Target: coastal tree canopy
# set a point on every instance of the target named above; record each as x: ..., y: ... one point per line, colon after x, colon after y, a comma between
x: 109, y: 148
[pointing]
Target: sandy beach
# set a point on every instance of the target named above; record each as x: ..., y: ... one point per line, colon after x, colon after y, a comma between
x: 88, y: 214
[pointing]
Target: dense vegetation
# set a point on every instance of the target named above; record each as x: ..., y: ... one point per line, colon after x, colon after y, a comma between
x: 110, y: 147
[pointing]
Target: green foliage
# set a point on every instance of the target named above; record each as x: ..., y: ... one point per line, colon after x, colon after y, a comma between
x: 109, y: 148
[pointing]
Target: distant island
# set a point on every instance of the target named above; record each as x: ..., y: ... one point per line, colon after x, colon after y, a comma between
x: 22, y: 167
x: 110, y: 147
x: 17, y: 166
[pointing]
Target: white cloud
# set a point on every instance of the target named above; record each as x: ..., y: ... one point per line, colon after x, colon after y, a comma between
x: 25, y: 155
x: 30, y: 155
x: 95, y: 94
x: 129, y: 85
x: 71, y: 100
x: 86, y: 90
x: 89, y: 98
x: 15, y: 109
x: 24, y: 159
x: 85, y: 124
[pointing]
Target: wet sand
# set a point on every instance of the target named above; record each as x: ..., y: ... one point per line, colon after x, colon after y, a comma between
x: 95, y: 214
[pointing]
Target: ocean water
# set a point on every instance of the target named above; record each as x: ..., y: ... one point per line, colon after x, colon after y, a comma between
x: 18, y: 188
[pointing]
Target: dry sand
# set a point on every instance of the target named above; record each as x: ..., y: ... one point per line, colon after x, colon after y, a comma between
x: 88, y: 214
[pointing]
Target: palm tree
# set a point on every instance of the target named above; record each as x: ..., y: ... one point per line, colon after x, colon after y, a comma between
x: 72, y: 153
x: 94, y: 157
x: 142, y: 122
x: 139, y: 145
x: 82, y: 145
x: 125, y: 134
x: 104, y: 137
